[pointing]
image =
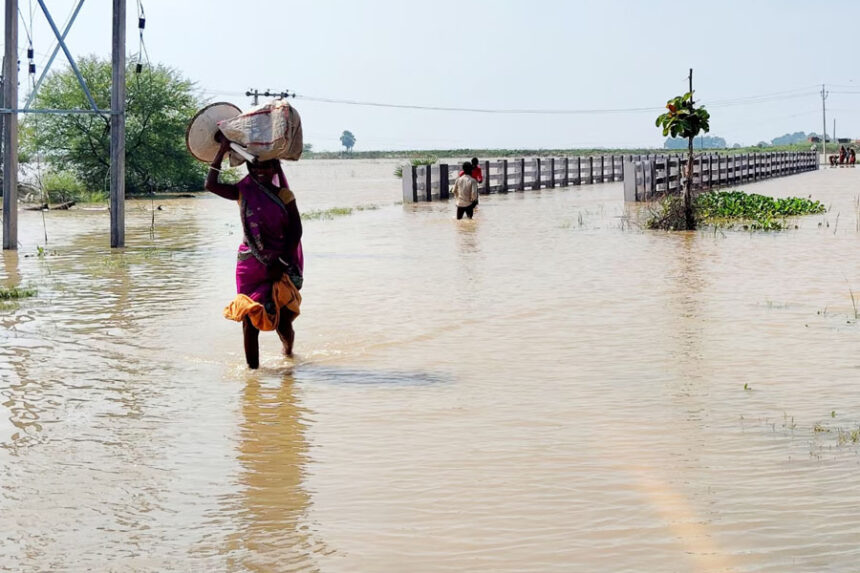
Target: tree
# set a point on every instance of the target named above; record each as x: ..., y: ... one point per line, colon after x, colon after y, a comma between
x: 684, y: 119
x: 791, y: 138
x: 308, y: 148
x: 347, y: 139
x: 159, y: 105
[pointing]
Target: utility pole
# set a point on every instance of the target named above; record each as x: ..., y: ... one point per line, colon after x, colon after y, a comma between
x: 117, y: 128
x: 280, y: 95
x: 10, y: 129
x: 824, y: 95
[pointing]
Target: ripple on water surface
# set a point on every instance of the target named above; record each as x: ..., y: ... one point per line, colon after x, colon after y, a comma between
x: 543, y: 388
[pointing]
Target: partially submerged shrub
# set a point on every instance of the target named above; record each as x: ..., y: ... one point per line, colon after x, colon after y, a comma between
x: 670, y: 215
x: 731, y: 208
x: 63, y: 186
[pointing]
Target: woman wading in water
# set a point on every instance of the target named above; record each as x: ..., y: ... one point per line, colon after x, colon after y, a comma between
x: 270, y: 263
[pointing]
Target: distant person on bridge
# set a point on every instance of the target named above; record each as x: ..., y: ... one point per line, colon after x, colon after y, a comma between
x: 466, y: 192
x: 270, y: 261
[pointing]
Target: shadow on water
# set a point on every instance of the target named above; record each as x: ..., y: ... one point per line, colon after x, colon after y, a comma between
x: 354, y: 376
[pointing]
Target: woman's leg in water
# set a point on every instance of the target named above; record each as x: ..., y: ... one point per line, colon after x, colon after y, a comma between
x: 285, y: 330
x: 252, y: 343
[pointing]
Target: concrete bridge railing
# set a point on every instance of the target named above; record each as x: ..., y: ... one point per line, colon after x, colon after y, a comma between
x: 644, y: 175
x: 649, y: 178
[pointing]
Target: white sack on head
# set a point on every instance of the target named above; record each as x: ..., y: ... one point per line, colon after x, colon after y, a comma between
x: 270, y: 131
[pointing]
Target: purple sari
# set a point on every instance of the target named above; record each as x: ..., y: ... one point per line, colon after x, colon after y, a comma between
x: 265, y: 221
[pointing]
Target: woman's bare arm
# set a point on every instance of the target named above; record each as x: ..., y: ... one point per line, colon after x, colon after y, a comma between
x: 212, y: 183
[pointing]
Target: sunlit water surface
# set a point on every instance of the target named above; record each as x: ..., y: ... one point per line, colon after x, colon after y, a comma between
x: 544, y: 388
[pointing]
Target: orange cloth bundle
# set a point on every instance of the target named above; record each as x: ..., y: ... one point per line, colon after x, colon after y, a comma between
x: 284, y: 294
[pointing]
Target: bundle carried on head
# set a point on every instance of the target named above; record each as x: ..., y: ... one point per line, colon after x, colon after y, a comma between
x: 270, y: 131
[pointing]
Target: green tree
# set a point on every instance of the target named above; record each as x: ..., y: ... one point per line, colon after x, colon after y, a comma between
x: 347, y: 139
x: 684, y: 119
x: 308, y: 148
x: 159, y: 104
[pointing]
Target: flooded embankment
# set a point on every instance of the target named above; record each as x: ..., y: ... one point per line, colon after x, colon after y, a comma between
x: 545, y: 388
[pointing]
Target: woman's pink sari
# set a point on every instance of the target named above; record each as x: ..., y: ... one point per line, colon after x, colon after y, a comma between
x: 264, y: 220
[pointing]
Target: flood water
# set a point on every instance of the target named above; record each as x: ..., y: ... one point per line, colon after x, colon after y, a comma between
x: 545, y: 388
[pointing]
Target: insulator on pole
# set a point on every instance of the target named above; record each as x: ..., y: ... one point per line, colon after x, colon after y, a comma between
x: 30, y: 53
x: 32, y: 68
x: 138, y: 68
x: 141, y: 23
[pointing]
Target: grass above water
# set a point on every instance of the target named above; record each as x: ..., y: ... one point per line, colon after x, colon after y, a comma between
x: 731, y: 209
x: 15, y: 293
x: 324, y: 214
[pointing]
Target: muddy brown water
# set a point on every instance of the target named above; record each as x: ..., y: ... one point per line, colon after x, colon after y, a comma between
x: 545, y: 388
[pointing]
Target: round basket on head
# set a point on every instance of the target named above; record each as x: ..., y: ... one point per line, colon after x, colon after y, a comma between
x: 200, y: 135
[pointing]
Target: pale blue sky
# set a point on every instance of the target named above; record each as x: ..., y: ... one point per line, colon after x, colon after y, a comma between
x: 539, y: 54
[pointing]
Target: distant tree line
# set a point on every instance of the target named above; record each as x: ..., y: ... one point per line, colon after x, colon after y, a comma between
x: 701, y: 142
x: 713, y: 142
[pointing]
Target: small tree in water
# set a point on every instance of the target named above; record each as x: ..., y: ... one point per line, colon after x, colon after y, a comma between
x: 683, y: 119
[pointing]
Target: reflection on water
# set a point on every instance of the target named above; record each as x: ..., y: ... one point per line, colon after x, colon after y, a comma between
x: 271, y: 532
x: 545, y: 387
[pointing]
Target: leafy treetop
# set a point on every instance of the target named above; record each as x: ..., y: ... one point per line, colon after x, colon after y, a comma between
x: 683, y: 119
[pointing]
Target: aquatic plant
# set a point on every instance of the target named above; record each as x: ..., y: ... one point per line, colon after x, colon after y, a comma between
x: 740, y: 205
x: 734, y: 208
x: 15, y: 293
x: 320, y: 214
x: 848, y: 436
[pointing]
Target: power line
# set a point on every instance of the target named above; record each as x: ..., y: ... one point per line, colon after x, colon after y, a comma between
x: 477, y: 110
x: 749, y: 100
x: 719, y: 103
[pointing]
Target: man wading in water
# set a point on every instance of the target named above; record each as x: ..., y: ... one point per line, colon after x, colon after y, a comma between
x: 466, y: 192
x: 270, y: 263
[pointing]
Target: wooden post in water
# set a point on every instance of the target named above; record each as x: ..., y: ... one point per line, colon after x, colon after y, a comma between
x: 408, y: 181
x: 537, y: 182
x: 10, y: 131
x: 444, y: 181
x: 504, y: 187
x: 486, y: 177
x: 428, y: 184
x: 117, y: 128
x: 551, y: 173
x: 630, y: 180
x: 521, y: 184
x: 567, y: 171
